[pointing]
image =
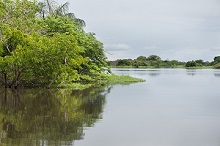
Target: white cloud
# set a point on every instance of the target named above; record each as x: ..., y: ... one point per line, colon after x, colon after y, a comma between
x: 117, y: 47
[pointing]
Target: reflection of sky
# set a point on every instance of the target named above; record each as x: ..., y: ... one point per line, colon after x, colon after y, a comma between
x: 172, y: 109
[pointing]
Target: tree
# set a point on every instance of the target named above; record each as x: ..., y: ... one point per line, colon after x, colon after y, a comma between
x: 48, y: 7
x: 191, y: 64
x: 216, y: 62
x: 217, y: 59
x: 124, y: 62
x: 51, y: 8
x: 19, y: 14
x: 153, y: 58
x: 141, y: 58
x: 200, y: 62
x: 217, y: 66
x: 51, y: 50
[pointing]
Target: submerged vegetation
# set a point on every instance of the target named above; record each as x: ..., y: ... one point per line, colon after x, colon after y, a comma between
x: 154, y: 61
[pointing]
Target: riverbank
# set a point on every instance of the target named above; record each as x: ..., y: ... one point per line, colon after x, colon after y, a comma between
x: 153, y: 67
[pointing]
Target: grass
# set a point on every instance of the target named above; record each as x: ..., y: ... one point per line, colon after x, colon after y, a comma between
x: 110, y: 79
x: 123, y: 79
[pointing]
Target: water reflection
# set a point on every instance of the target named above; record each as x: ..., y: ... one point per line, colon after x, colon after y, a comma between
x: 217, y: 74
x: 191, y: 72
x: 136, y: 71
x: 48, y: 117
x: 153, y: 73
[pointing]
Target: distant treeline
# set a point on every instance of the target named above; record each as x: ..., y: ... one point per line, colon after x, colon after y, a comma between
x: 156, y: 62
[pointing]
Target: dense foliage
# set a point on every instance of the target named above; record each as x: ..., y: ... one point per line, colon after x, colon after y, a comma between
x: 42, y: 44
x: 156, y: 62
x: 150, y: 61
x: 216, y: 62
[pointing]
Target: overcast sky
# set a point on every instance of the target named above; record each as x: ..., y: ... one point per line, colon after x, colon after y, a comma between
x: 172, y: 29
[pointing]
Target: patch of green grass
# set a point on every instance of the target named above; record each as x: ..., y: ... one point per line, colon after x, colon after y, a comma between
x: 123, y: 79
x: 110, y: 79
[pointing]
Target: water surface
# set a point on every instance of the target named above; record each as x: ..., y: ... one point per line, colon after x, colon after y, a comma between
x: 175, y: 107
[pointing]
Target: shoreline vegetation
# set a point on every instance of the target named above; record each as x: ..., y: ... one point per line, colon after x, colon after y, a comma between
x: 42, y: 45
x: 154, y: 61
x: 112, y: 79
x: 153, y: 67
x: 123, y: 79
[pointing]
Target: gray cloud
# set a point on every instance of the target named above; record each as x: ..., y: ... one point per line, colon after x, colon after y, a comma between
x: 180, y: 29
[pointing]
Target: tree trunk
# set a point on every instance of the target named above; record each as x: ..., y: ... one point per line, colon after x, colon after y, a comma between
x: 5, y: 80
x: 16, y: 79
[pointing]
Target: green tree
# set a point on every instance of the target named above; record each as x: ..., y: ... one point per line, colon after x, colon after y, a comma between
x: 19, y: 14
x: 217, y: 66
x: 200, y: 62
x: 124, y: 62
x: 142, y: 58
x: 191, y: 64
x: 52, y: 50
x: 153, y: 58
x: 52, y: 8
x: 217, y: 59
x: 216, y: 62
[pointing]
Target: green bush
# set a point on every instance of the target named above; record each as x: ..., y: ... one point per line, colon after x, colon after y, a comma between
x: 191, y: 64
x: 217, y: 66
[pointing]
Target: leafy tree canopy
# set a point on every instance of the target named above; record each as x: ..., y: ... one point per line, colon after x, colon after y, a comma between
x: 42, y: 44
x: 154, y: 58
x: 217, y: 59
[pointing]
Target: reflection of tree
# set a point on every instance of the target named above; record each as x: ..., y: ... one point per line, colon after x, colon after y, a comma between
x: 191, y: 72
x: 153, y: 73
x: 47, y: 117
x: 217, y: 74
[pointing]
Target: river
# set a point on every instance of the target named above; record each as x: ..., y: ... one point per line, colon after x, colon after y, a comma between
x: 174, y: 107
